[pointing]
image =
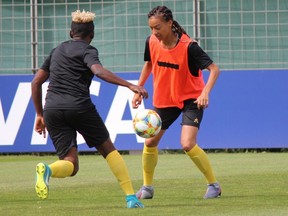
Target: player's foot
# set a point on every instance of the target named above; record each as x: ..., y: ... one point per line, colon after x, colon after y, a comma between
x: 43, y: 173
x: 133, y: 202
x: 145, y: 192
x: 213, y: 191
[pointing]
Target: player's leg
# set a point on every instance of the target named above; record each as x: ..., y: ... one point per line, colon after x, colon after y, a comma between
x: 117, y: 165
x: 119, y: 168
x: 96, y: 135
x: 197, y: 154
x: 150, y: 152
x: 64, y: 141
x: 68, y: 166
x: 149, y: 162
x: 60, y: 125
x: 200, y: 158
x: 58, y: 169
x: 191, y: 120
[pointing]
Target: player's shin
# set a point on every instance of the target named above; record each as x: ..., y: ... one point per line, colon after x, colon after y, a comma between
x: 200, y: 158
x: 149, y: 162
x: 120, y: 171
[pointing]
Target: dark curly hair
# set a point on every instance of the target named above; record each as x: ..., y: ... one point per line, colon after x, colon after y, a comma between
x: 166, y: 14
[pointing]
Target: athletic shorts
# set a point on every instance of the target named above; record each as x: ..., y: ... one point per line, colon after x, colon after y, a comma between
x: 191, y: 115
x: 62, y: 126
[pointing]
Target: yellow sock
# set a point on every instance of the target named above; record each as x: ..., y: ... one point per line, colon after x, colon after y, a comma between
x: 120, y: 171
x: 200, y: 158
x: 149, y: 162
x: 61, y: 168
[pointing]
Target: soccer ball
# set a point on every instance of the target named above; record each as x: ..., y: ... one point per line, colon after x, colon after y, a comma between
x: 147, y: 123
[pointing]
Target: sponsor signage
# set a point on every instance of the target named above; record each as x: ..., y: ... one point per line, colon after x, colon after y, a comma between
x: 242, y: 113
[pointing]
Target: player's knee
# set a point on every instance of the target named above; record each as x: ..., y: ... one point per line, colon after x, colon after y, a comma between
x: 187, y: 147
x: 150, y: 143
x: 153, y: 141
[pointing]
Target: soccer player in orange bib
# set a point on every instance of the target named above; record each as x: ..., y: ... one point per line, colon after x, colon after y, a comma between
x: 68, y: 108
x: 176, y: 62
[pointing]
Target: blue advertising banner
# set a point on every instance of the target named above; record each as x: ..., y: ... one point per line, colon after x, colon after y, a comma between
x: 248, y: 109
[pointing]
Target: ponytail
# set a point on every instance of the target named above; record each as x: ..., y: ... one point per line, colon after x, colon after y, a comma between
x: 177, y: 28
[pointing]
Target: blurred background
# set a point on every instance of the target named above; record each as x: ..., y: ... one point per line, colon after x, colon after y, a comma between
x: 237, y: 34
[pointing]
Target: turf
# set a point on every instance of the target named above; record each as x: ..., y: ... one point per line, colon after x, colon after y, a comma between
x: 252, y: 183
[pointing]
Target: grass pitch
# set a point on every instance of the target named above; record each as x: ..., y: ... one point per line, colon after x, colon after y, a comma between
x: 252, y: 183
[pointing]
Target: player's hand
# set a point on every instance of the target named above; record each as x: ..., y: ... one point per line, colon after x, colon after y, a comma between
x: 139, y: 90
x: 136, y: 101
x: 202, y: 101
x: 40, y: 126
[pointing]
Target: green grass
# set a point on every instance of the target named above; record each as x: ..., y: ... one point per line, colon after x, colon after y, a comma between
x: 252, y: 183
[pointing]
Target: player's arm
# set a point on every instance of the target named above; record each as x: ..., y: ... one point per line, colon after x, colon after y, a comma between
x: 110, y: 77
x: 36, y: 88
x: 146, y: 70
x: 203, y: 99
x: 147, y: 67
x: 197, y: 57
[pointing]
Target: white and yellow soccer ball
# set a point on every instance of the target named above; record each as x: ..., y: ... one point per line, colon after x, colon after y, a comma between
x: 147, y: 123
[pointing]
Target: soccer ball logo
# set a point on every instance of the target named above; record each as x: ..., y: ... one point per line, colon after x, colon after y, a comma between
x: 147, y: 123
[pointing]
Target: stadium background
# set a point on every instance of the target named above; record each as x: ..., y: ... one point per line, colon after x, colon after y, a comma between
x: 246, y: 38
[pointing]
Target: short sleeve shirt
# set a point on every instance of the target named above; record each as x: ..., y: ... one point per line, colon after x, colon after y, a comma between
x: 70, y: 76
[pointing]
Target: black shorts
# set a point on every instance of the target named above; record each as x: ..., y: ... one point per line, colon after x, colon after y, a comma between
x: 191, y: 115
x: 62, y: 126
